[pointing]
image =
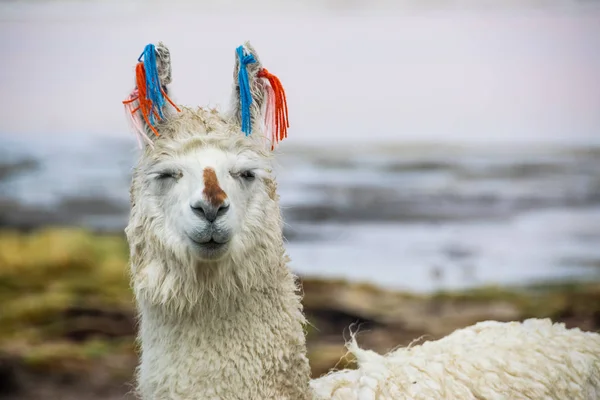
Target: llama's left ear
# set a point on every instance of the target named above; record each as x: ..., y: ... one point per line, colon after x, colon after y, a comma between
x: 148, y: 105
x: 258, y: 98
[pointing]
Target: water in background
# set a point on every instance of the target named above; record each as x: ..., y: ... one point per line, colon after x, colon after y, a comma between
x: 421, y: 217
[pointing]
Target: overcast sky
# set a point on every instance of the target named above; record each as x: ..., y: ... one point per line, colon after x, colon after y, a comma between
x: 371, y: 73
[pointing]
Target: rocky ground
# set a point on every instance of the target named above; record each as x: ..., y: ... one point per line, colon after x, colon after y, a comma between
x: 67, y: 323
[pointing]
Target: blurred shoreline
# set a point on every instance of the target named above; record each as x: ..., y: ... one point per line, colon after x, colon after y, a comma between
x: 467, y: 214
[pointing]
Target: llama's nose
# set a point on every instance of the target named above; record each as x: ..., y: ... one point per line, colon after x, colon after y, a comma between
x: 208, y: 210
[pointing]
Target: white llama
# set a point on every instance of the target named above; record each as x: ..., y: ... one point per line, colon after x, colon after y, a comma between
x: 220, y: 314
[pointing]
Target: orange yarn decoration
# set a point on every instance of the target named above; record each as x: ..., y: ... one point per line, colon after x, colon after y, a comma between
x: 146, y: 107
x: 277, y: 120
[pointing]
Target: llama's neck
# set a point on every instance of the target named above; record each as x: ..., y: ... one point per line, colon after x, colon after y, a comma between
x: 243, y: 344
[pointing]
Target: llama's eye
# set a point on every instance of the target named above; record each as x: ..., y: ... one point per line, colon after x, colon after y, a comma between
x: 248, y: 175
x: 163, y: 175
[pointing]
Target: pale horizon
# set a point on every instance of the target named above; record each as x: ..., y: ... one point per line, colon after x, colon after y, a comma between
x: 368, y: 75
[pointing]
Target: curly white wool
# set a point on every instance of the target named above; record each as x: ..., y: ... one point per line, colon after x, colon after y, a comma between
x: 489, y: 360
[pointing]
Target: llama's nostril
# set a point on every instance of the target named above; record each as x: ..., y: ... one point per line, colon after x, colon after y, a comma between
x: 208, y: 211
x: 222, y: 210
x: 197, y: 210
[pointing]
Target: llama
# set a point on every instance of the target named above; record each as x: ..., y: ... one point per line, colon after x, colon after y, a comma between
x: 220, y: 314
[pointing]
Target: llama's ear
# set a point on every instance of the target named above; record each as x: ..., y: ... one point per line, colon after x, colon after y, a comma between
x: 258, y: 98
x: 148, y: 106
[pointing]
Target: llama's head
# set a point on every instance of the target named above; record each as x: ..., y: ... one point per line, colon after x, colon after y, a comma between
x: 204, y: 189
x: 203, y: 199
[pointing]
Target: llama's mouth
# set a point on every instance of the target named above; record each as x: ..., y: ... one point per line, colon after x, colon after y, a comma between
x: 211, y: 244
x: 210, y: 249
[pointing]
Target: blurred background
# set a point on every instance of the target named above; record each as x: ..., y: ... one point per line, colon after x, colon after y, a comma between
x: 443, y: 167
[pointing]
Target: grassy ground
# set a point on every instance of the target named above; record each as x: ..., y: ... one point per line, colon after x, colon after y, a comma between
x: 67, y: 320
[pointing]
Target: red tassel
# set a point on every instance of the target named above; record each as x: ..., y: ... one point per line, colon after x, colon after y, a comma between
x: 276, y: 116
x: 145, y: 105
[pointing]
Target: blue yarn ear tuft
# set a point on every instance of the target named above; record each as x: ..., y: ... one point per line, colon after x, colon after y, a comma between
x: 245, y: 92
x: 153, y: 85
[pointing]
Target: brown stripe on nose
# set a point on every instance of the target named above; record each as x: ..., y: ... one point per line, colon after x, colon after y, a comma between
x: 212, y: 191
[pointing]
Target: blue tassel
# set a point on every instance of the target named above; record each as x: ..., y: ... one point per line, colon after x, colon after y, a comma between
x: 153, y: 87
x: 245, y: 93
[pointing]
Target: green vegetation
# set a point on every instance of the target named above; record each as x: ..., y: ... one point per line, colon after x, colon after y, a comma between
x: 65, y: 301
x: 46, y: 275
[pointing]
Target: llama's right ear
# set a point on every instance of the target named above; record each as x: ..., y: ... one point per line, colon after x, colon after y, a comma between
x: 147, y: 106
x: 258, y: 98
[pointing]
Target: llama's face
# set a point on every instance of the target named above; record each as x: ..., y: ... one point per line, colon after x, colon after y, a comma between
x: 206, y: 197
x: 202, y: 188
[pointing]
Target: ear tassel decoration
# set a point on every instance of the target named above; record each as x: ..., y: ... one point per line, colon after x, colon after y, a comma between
x: 276, y: 114
x: 149, y: 72
x: 135, y: 120
x: 149, y: 93
x: 245, y: 92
